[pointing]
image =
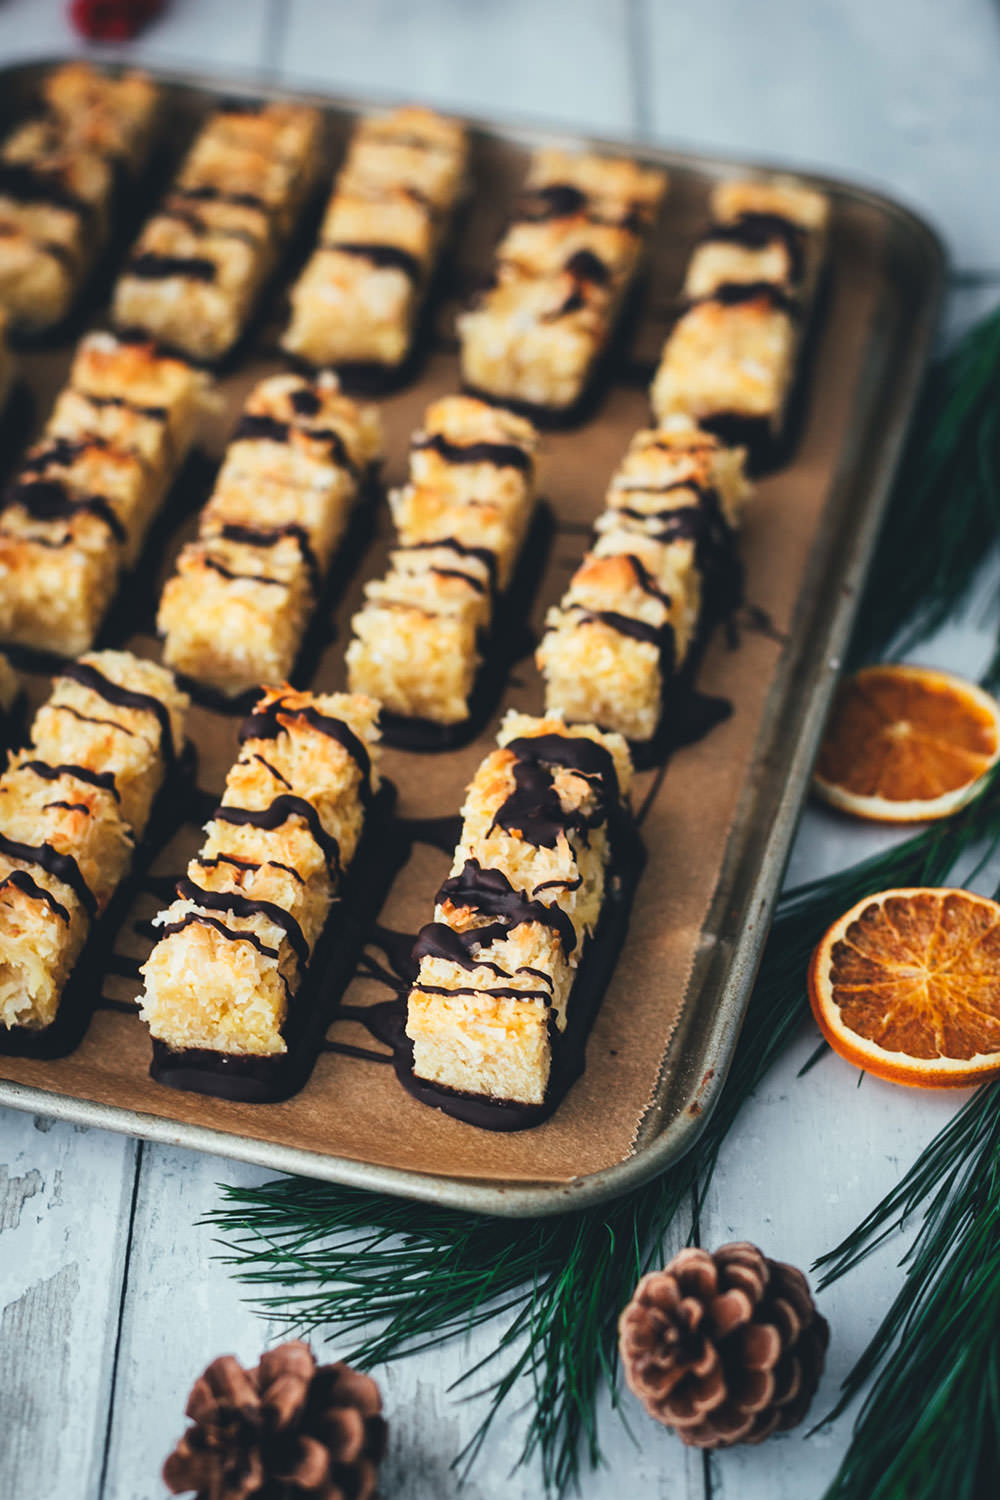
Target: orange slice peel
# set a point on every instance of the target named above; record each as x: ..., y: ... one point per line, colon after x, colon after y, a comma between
x: 907, y: 744
x: 906, y: 985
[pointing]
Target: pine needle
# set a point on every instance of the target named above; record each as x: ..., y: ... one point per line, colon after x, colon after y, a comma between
x: 945, y: 512
x: 939, y: 1341
x: 383, y: 1278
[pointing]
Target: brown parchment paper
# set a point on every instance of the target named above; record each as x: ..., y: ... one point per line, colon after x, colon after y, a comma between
x: 354, y: 1108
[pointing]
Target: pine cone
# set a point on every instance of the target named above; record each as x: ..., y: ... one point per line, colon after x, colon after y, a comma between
x: 726, y: 1348
x: 288, y: 1430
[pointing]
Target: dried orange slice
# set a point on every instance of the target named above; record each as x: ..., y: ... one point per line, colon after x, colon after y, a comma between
x: 907, y: 986
x: 906, y: 744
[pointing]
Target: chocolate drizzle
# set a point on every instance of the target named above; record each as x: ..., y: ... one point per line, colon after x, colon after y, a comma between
x: 485, y: 555
x: 210, y: 861
x: 305, y: 401
x: 735, y: 293
x: 193, y: 221
x: 269, y: 536
x: 246, y: 906
x: 272, y: 770
x: 60, y: 866
x: 563, y: 200
x: 103, y: 779
x: 60, y: 451
x: 265, y: 724
x: 660, y: 636
x: 261, y: 427
x: 231, y: 576
x: 383, y: 257
x: 558, y: 200
x: 232, y: 935
x: 279, y: 811
x: 89, y: 676
x: 755, y: 231
x: 74, y: 713
x: 154, y: 413
x: 209, y: 194
x: 588, y: 267
x: 148, y: 266
x: 52, y: 500
x: 30, y: 184
x: 491, y: 894
x: 500, y: 455
x: 20, y: 880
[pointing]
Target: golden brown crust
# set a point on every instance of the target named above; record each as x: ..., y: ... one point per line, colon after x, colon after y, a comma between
x: 562, y: 270
x: 417, y: 640
x: 751, y: 280
x: 235, y: 612
x: 83, y: 789
x: 223, y: 975
x: 634, y: 605
x: 483, y: 1023
x: 200, y: 262
x: 359, y: 296
x: 58, y: 180
x: 78, y: 513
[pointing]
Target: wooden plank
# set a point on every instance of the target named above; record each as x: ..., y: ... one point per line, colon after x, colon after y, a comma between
x: 519, y: 59
x: 182, y: 1308
x: 903, y: 96
x: 65, y: 1199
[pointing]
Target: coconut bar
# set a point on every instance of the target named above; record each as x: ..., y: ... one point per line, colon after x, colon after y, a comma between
x: 58, y: 174
x: 526, y: 891
x: 72, y: 807
x: 200, y: 262
x: 661, y: 567
x: 562, y: 270
x: 731, y: 358
x: 419, y: 637
x: 358, y: 300
x: 235, y: 611
x: 235, y: 944
x: 78, y: 512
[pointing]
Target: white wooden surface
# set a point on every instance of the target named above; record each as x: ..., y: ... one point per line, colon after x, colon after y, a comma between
x: 110, y: 1300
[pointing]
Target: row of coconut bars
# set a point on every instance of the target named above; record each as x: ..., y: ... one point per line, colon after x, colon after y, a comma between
x: 662, y: 562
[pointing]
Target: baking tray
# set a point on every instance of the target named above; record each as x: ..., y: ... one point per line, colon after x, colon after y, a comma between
x: 810, y: 535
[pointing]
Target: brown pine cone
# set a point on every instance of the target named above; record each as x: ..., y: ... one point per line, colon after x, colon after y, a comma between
x: 726, y: 1348
x: 288, y: 1430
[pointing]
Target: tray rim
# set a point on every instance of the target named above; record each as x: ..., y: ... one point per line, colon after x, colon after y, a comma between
x: 820, y: 649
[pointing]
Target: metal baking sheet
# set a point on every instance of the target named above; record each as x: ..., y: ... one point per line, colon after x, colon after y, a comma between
x: 824, y: 510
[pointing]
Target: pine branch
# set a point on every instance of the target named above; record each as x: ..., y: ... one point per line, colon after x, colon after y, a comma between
x: 384, y: 1278
x: 389, y: 1278
x: 938, y: 1340
x: 945, y: 512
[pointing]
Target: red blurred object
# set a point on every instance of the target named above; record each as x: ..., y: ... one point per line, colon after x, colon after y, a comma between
x: 113, y: 20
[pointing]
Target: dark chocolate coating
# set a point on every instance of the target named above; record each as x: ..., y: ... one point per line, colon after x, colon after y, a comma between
x: 264, y: 1080
x: 150, y: 267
